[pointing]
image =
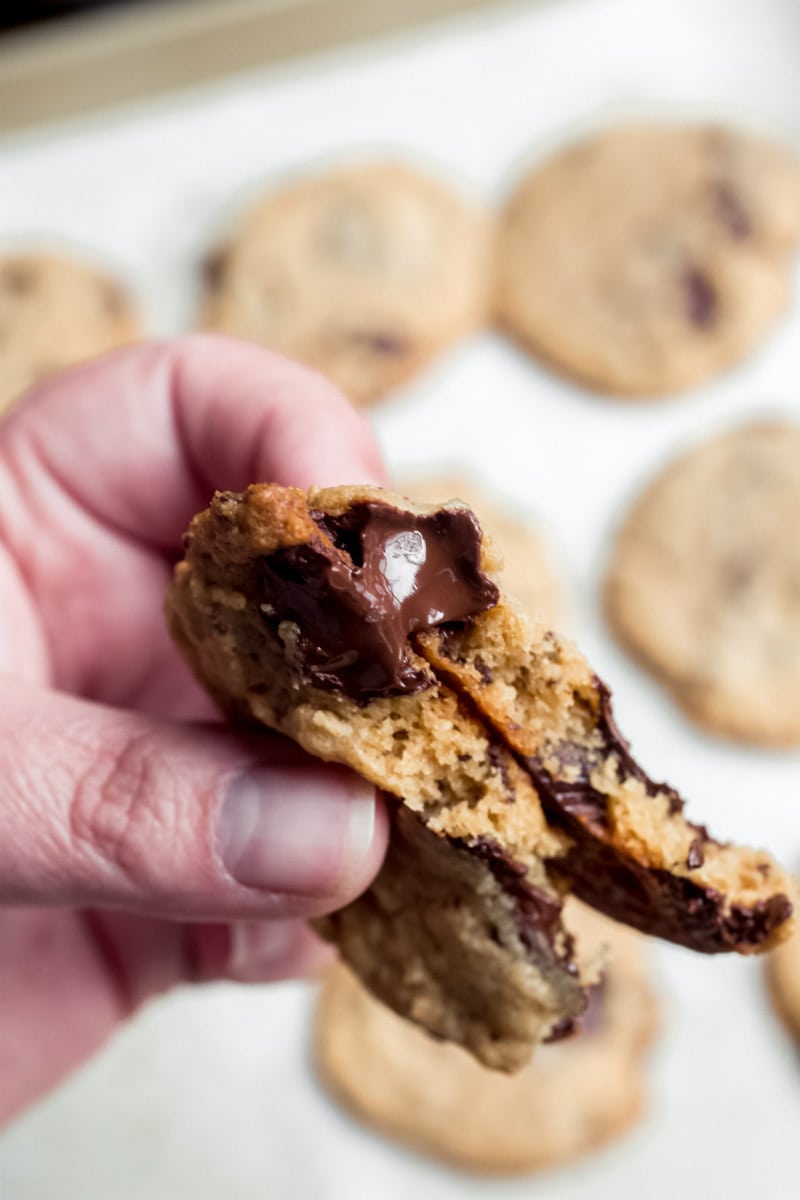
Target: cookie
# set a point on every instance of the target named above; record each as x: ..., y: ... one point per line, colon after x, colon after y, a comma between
x: 527, y: 571
x: 55, y: 312
x: 704, y: 583
x: 647, y: 258
x: 783, y: 975
x: 365, y: 273
x: 574, y: 1096
x: 371, y: 631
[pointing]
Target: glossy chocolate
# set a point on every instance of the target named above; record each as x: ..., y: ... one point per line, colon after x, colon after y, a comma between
x: 357, y: 593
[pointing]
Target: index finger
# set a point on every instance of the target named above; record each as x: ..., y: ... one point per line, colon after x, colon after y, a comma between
x: 172, y: 422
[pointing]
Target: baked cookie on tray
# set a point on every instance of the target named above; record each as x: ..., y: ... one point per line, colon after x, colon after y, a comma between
x: 704, y: 582
x: 365, y: 272
x: 574, y: 1097
x: 371, y: 631
x: 528, y: 572
x: 647, y: 258
x: 55, y: 312
x: 783, y: 975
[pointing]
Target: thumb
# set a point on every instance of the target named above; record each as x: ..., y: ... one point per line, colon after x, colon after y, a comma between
x: 105, y: 808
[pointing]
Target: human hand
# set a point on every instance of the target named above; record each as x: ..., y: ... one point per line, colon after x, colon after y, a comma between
x: 141, y: 842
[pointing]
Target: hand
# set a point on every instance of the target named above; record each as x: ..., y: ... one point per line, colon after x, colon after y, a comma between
x: 141, y: 842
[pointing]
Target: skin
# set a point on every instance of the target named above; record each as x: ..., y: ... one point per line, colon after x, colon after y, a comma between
x: 114, y: 768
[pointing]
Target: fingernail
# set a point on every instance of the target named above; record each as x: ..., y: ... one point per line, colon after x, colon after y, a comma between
x: 304, y: 831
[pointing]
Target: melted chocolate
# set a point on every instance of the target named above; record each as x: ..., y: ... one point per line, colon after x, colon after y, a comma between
x: 665, y: 905
x: 537, y: 917
x: 387, y: 574
x: 609, y: 879
x: 615, y: 743
x: 537, y: 914
x: 576, y: 795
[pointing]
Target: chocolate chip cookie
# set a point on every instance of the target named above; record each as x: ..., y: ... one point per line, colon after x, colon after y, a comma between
x: 704, y: 583
x: 527, y: 572
x: 572, y: 1098
x: 648, y: 258
x: 783, y: 974
x: 365, y: 273
x: 55, y: 312
x: 371, y: 631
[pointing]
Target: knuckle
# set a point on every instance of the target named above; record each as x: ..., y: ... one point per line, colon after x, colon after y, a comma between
x: 120, y: 812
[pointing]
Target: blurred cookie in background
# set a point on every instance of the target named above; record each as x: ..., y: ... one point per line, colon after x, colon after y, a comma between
x: 704, y: 583
x: 648, y: 258
x: 528, y: 573
x: 366, y: 273
x: 783, y: 976
x: 574, y: 1096
x: 54, y: 312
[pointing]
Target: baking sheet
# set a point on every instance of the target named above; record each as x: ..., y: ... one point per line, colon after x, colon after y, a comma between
x: 210, y: 1093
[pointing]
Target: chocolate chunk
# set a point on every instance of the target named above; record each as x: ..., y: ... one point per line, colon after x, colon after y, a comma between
x: 482, y: 669
x: 215, y: 265
x: 17, y: 278
x: 575, y: 794
x: 609, y: 878
x: 616, y: 744
x: 737, y: 572
x: 701, y: 298
x: 731, y: 211
x: 380, y: 342
x: 113, y: 299
x: 497, y: 757
x: 388, y: 574
x: 537, y: 915
x: 661, y: 904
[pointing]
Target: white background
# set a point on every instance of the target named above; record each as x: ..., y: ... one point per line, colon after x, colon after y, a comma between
x: 210, y: 1094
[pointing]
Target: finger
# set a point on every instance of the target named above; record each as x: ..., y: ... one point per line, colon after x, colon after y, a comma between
x: 143, y: 958
x: 103, y: 808
x: 165, y: 424
x: 101, y: 470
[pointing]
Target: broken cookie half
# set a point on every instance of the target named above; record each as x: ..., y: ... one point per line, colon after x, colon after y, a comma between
x: 370, y: 630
